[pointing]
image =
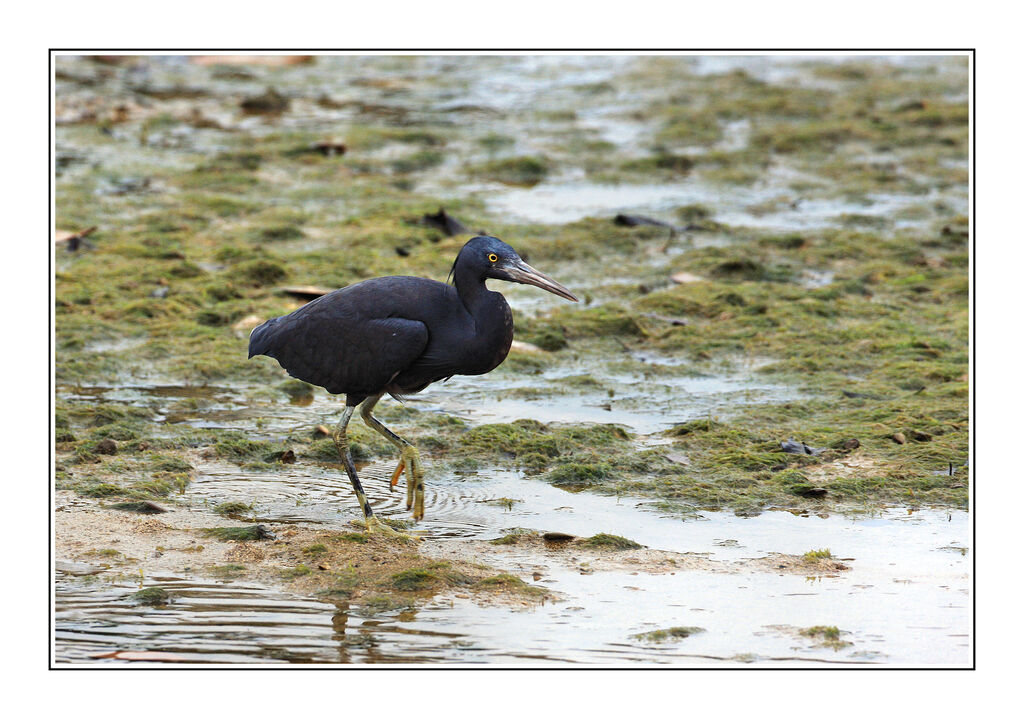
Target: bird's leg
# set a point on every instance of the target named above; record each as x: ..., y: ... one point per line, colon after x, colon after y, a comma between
x: 341, y: 442
x: 409, y: 461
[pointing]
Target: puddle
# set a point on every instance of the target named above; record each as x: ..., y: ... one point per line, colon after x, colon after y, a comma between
x: 565, y: 202
x: 633, y: 403
x: 630, y: 398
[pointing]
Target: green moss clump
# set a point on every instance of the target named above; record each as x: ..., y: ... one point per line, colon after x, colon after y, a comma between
x: 831, y: 633
x: 667, y: 162
x: 353, y: 537
x: 694, y: 425
x: 522, y: 171
x: 827, y: 636
x: 238, y: 447
x: 816, y: 555
x: 139, y: 507
x: 315, y: 550
x: 164, y: 463
x: 509, y: 583
x: 547, y: 336
x: 119, y: 431
x: 606, y: 320
x: 152, y: 597
x: 101, y: 489
x: 412, y: 580
x: 512, y: 536
x: 526, y: 437
x: 508, y: 539
x: 610, y: 541
x: 295, y: 572
x: 232, y: 509
x: 253, y: 533
x: 259, y: 273
x: 277, y: 233
x: 580, y: 474
x: 665, y: 635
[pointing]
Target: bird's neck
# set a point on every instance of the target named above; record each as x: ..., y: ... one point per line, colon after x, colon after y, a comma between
x: 489, y: 309
x: 492, y: 318
x: 473, y: 291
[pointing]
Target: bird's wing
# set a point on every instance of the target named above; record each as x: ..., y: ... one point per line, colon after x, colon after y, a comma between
x: 339, y: 349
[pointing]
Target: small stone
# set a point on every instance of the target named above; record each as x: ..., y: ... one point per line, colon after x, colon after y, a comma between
x: 558, y: 537
x: 106, y: 446
x: 269, y: 103
x: 682, y: 278
x: 144, y: 507
x: 321, y: 430
x: 899, y: 438
x: 323, y: 567
x: 330, y: 148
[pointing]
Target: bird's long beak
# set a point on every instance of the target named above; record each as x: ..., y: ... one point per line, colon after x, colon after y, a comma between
x: 523, y: 273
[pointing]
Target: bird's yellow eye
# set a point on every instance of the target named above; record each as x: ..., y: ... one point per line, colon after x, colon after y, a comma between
x: 492, y: 257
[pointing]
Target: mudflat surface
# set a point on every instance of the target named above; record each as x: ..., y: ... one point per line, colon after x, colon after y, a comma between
x: 792, y: 273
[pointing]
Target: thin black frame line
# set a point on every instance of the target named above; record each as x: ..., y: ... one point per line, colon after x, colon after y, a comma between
x: 52, y: 666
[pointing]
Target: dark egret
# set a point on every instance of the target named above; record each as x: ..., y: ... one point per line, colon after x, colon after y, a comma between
x: 397, y: 335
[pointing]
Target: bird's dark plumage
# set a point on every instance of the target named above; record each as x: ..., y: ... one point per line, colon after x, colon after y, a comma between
x: 398, y: 335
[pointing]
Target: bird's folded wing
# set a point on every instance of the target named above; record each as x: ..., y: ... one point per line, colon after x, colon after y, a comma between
x: 344, y: 354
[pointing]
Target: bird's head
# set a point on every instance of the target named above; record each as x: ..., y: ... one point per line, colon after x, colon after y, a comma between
x: 490, y: 258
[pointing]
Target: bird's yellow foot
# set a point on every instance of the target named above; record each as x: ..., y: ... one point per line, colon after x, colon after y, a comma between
x: 398, y: 473
x: 377, y: 526
x: 414, y: 494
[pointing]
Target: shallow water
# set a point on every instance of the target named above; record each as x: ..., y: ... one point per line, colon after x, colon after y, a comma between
x: 563, y: 202
x: 641, y: 392
x: 905, y: 600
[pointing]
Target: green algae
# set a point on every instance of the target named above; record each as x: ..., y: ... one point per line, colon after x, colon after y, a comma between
x: 412, y: 580
x: 152, y: 597
x: 232, y: 509
x: 509, y: 583
x: 524, y: 171
x: 816, y: 555
x: 671, y: 634
x: 610, y: 541
x: 826, y: 636
x: 252, y: 533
